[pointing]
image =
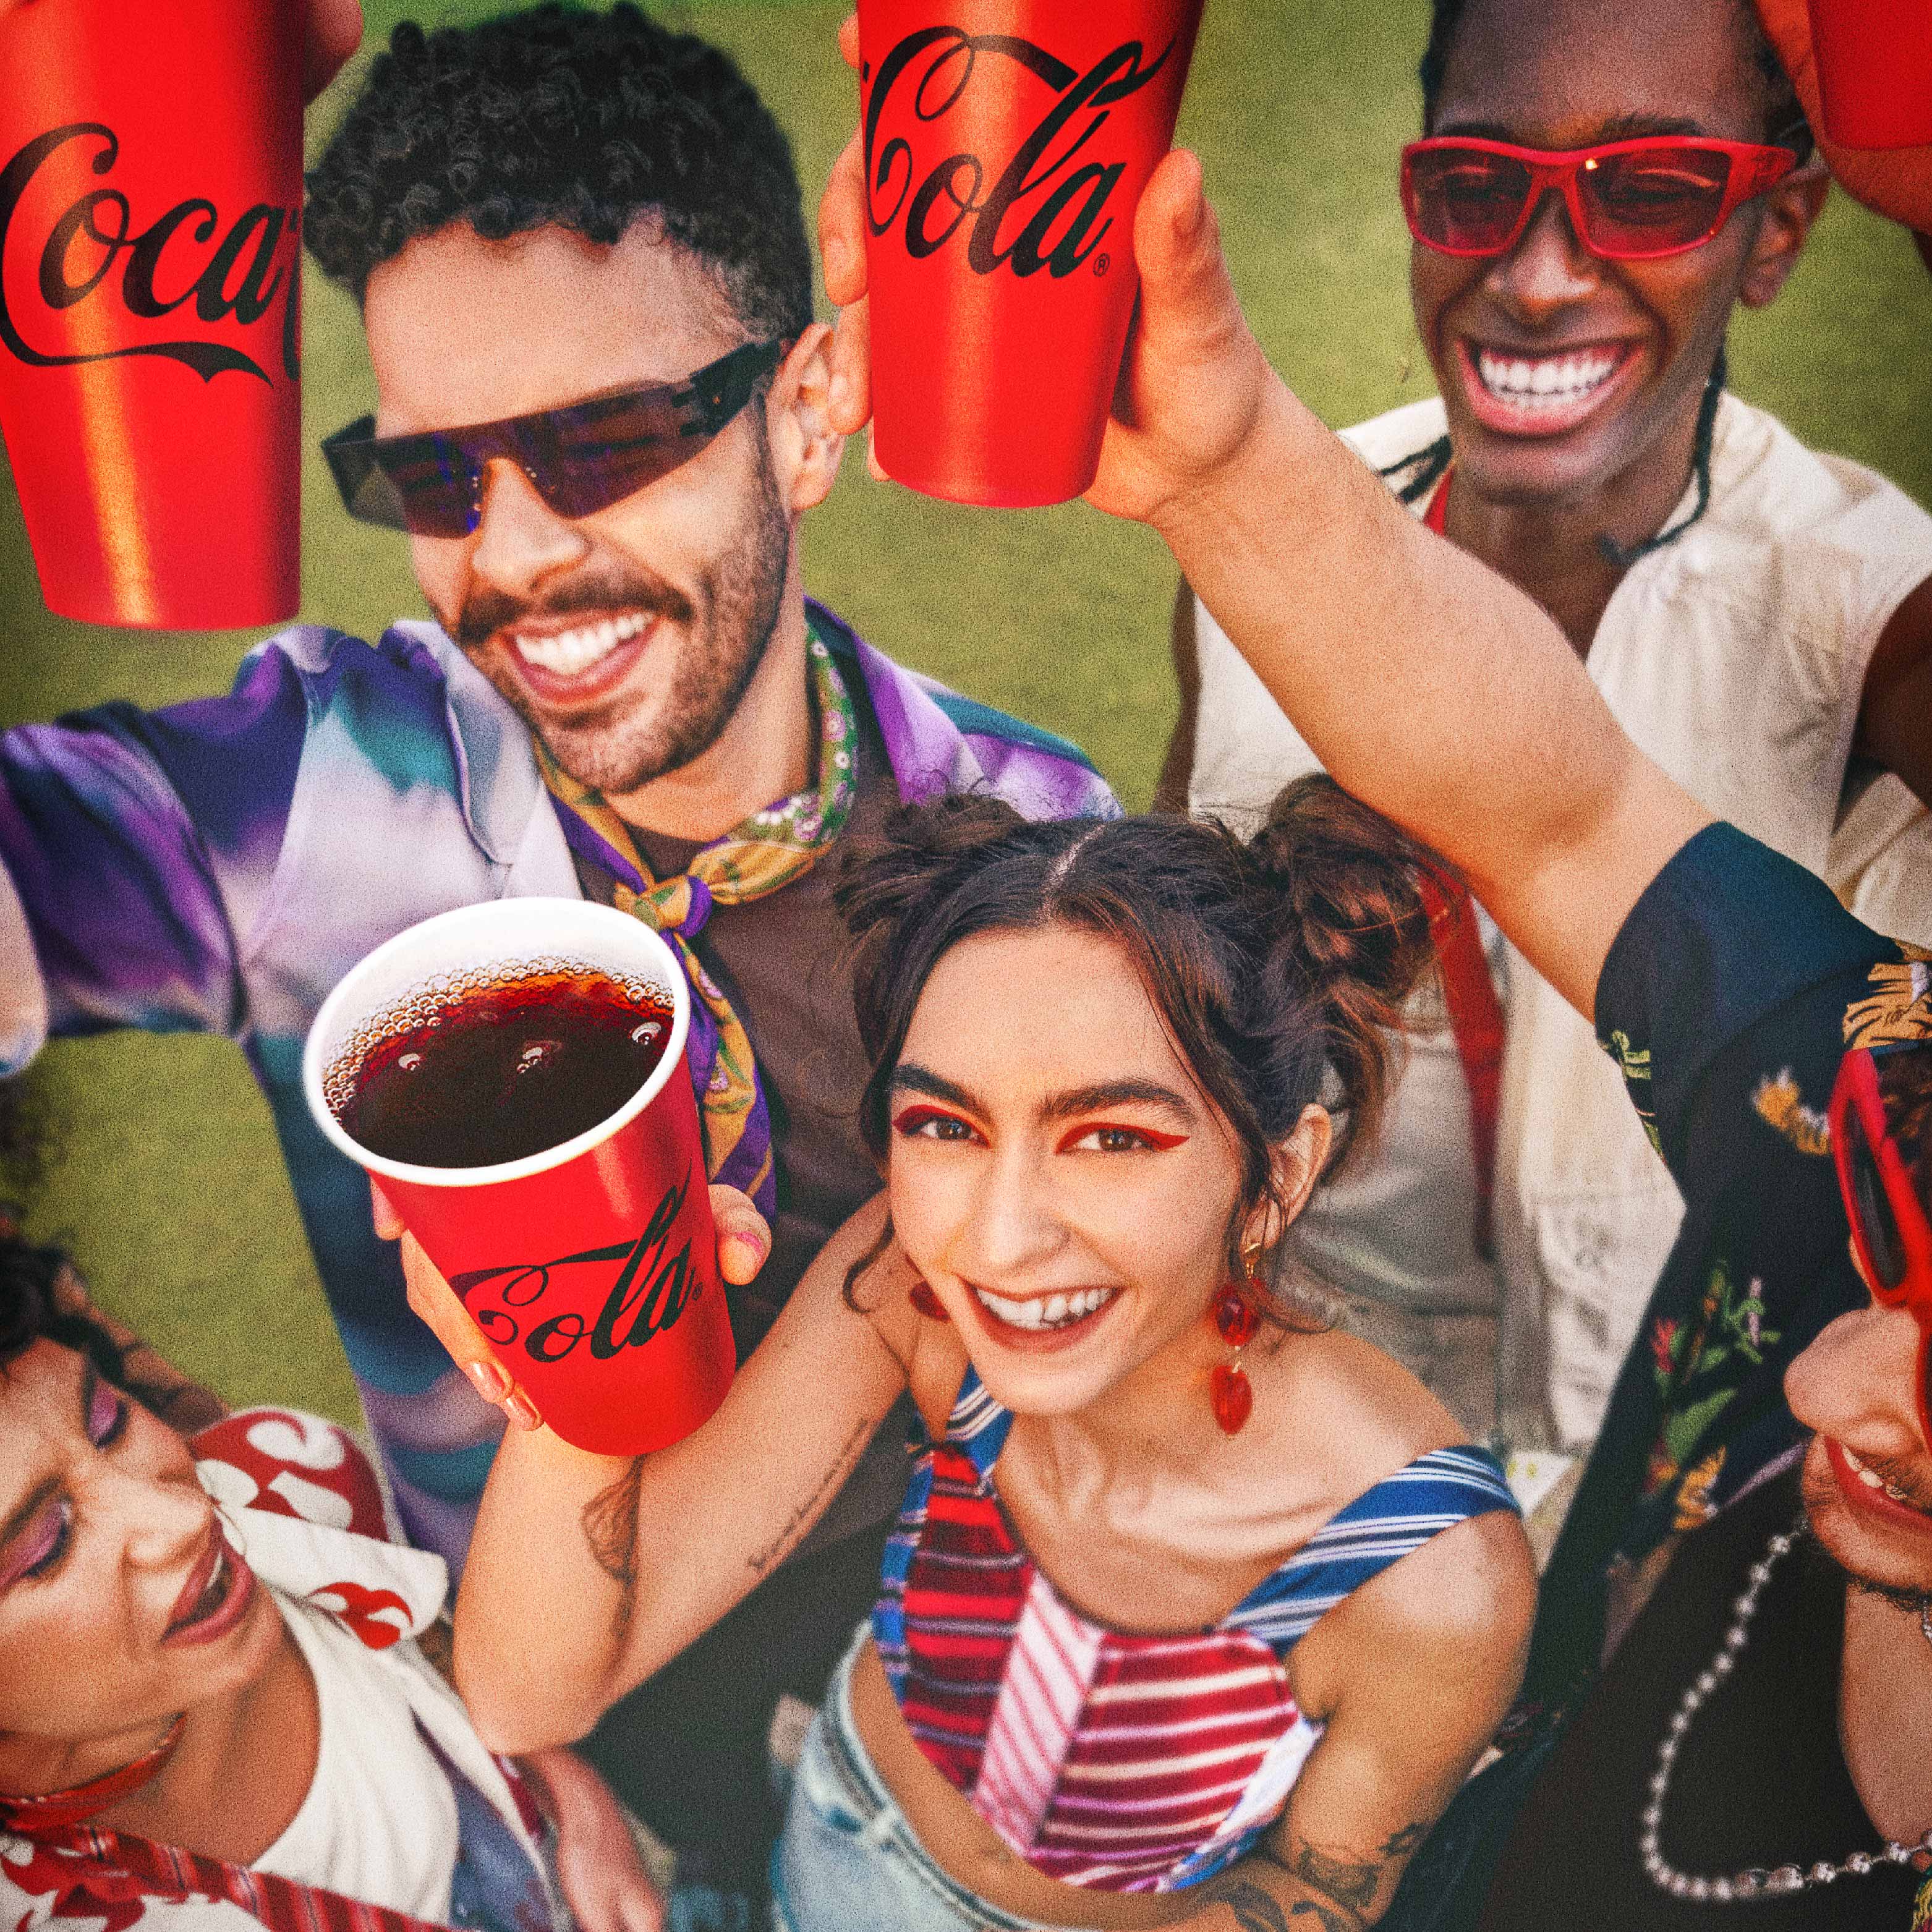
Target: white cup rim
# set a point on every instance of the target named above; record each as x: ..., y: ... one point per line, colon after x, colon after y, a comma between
x: 491, y: 912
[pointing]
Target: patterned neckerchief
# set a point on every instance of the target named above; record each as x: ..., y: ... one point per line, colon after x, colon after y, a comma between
x: 757, y: 856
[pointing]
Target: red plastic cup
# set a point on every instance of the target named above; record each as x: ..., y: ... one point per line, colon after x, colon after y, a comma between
x: 591, y: 1268
x: 1874, y: 61
x: 150, y: 256
x: 1006, y: 143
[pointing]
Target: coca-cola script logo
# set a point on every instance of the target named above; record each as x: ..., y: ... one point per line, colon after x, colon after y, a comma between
x: 240, y: 276
x: 649, y: 1290
x: 1038, y: 189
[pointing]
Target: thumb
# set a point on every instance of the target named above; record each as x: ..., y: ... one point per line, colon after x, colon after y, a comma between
x: 382, y: 1211
x: 1189, y: 312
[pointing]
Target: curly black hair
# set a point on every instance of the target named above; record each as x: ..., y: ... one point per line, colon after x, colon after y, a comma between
x: 30, y: 1309
x: 562, y: 116
x: 1784, y: 123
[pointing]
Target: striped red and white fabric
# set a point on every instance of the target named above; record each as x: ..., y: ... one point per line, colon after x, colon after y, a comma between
x: 1106, y: 1759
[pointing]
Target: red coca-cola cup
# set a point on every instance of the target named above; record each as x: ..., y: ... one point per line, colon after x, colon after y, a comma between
x: 1874, y: 60
x: 1006, y: 144
x: 589, y: 1266
x: 150, y: 252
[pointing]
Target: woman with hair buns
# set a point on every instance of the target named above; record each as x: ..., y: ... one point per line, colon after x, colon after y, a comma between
x: 1198, y: 1611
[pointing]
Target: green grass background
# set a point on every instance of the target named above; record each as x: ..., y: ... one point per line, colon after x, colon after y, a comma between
x: 166, y: 1180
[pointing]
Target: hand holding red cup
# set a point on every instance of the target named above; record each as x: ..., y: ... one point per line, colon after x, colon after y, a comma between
x: 1195, y: 391
x: 512, y: 1078
x: 744, y: 1240
x: 1003, y: 150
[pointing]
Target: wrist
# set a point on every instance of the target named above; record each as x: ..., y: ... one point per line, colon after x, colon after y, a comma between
x: 1273, y: 451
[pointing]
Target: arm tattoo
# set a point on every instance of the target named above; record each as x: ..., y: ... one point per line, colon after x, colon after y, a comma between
x: 1325, y: 1921
x: 611, y: 1529
x: 1352, y: 1885
x: 768, y: 1558
x: 1254, y: 1910
x: 1405, y: 1841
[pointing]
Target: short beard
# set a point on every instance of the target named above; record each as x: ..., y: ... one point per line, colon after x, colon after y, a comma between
x: 728, y: 625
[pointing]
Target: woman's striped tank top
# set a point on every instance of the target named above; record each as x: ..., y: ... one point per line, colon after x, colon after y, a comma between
x: 1127, y: 1763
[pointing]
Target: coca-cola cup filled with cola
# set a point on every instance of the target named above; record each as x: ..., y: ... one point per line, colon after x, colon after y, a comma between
x: 513, y: 1076
x: 150, y: 255
x: 1006, y: 144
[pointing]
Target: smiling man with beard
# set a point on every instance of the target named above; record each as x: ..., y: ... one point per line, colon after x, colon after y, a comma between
x: 602, y: 415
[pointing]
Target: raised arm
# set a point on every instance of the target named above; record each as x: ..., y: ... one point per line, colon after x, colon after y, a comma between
x: 588, y: 1572
x: 1427, y: 685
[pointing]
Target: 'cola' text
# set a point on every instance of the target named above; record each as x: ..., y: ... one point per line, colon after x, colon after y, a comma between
x: 1038, y: 189
x: 649, y: 1290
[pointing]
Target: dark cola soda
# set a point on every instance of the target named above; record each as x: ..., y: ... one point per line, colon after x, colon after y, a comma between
x: 507, y: 1069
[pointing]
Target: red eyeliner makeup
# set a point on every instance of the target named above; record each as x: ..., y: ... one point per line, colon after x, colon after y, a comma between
x: 1154, y: 1138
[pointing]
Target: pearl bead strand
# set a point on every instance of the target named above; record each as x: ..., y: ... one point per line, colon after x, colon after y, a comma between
x: 1756, y: 1882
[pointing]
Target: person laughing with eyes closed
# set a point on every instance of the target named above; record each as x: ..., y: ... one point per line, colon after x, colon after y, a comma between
x: 1198, y: 1611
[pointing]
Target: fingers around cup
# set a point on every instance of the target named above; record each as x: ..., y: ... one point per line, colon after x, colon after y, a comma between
x: 744, y: 1238
x: 435, y: 1301
x: 382, y: 1211
x: 842, y: 225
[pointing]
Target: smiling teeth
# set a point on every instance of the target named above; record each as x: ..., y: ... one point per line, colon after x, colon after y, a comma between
x: 1547, y: 382
x: 567, y: 653
x: 1872, y: 1479
x: 212, y: 1591
x: 1052, y: 1311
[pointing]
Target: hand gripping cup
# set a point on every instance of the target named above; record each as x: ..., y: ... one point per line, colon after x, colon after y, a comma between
x: 1874, y: 60
x: 150, y: 250
x: 1006, y: 145
x: 590, y: 1263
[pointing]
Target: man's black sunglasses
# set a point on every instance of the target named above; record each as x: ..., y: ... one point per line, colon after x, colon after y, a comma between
x: 580, y: 459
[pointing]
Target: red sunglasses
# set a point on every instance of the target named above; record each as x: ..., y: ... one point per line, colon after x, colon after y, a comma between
x: 1629, y: 201
x: 1891, y: 1232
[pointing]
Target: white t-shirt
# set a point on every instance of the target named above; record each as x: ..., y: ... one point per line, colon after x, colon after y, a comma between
x: 1736, y: 657
x: 379, y: 1822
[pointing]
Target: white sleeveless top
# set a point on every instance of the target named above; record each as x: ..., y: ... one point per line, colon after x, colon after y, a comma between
x: 1736, y: 657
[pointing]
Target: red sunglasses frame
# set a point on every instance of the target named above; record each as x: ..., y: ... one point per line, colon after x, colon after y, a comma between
x: 1754, y: 168
x: 1856, y: 1091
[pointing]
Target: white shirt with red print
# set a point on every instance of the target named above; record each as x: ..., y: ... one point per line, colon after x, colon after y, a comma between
x: 400, y: 1777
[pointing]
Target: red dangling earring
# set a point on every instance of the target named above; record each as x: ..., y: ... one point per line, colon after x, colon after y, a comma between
x: 1237, y: 1318
x: 925, y: 1302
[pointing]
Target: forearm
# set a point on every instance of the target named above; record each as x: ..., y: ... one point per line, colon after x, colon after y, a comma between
x: 1427, y: 684
x: 1305, y: 1891
x: 587, y: 1573
x: 549, y: 1592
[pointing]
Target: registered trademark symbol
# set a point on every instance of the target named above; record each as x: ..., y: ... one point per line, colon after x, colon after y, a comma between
x: 1101, y: 263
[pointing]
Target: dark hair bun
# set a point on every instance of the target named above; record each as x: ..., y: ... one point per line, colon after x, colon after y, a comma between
x: 1355, y: 938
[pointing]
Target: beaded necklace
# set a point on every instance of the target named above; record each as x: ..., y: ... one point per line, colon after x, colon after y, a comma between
x: 1756, y: 1882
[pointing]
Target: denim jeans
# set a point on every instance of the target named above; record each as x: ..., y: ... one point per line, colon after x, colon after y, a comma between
x: 848, y: 1860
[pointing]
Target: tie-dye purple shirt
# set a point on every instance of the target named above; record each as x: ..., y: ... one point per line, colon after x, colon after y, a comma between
x: 219, y: 865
